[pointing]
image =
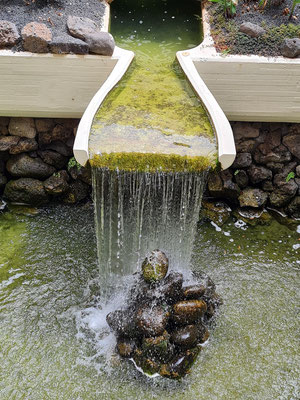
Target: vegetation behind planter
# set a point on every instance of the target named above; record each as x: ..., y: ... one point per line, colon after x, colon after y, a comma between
x: 273, y: 25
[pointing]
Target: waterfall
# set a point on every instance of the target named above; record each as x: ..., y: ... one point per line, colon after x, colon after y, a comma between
x: 136, y: 212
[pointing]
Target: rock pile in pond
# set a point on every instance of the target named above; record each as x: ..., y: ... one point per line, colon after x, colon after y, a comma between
x: 164, y: 322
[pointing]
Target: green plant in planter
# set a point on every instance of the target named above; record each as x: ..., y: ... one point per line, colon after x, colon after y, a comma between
x: 229, y: 7
x: 295, y: 2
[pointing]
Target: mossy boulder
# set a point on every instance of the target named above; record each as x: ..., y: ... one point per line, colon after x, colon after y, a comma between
x: 155, y: 266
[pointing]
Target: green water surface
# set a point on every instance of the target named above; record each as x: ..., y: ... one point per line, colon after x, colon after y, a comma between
x: 153, y: 109
x: 50, y: 316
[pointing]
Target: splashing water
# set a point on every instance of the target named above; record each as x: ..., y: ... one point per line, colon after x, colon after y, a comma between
x: 137, y: 212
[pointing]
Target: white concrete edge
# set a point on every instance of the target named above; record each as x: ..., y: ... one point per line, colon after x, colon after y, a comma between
x: 221, y: 125
x: 81, y: 144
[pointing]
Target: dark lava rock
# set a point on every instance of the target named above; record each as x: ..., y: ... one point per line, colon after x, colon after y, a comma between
x: 44, y: 124
x: 3, y: 181
x: 252, y: 30
x: 294, y: 207
x: 245, y: 146
x: 23, y: 127
x: 242, y: 160
x: 121, y: 322
x: 241, y: 178
x: 125, y: 347
x: 57, y: 184
x: 186, y: 336
x: 264, y: 155
x: 180, y: 365
x: 242, y: 130
x: 60, y: 148
x: 9, y: 34
x: 53, y: 158
x: 82, y: 173
x: 290, y: 48
x: 298, y: 171
x: 78, y: 191
x: 36, y: 37
x: 67, y: 44
x: 24, y: 145
x: 24, y: 166
x: 292, y: 142
x: 151, y: 320
x: 7, y: 142
x: 258, y: 174
x: 26, y: 191
x: 188, y: 311
x: 282, y: 195
x: 194, y: 291
x: 252, y: 198
x: 267, y: 186
x: 155, y: 266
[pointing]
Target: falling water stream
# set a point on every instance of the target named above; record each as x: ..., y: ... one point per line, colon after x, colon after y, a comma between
x: 151, y: 113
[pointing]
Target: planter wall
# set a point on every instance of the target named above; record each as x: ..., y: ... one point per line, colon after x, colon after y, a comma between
x: 249, y: 88
x: 48, y: 85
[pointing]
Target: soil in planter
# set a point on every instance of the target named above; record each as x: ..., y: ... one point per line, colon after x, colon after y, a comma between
x: 53, y: 13
x: 277, y: 25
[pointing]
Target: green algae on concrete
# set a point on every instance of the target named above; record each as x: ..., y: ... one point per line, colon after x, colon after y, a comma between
x: 150, y: 162
x: 154, y: 101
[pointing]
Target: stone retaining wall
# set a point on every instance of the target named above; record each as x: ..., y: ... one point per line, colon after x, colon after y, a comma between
x: 266, y: 171
x: 37, y: 163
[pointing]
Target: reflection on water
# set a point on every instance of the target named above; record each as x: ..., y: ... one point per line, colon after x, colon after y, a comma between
x: 54, y: 343
x: 153, y: 100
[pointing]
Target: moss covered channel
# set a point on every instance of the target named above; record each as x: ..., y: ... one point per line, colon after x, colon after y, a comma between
x: 152, y: 119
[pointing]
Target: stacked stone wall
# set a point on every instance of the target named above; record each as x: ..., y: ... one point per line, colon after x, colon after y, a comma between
x: 37, y: 164
x: 266, y: 171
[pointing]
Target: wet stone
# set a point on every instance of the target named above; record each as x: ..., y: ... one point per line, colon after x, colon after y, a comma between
x: 188, y: 311
x: 158, y: 348
x: 252, y: 198
x: 125, y: 347
x: 170, y: 289
x: 151, y: 321
x: 193, y: 291
x: 203, y: 333
x: 241, y: 178
x: 185, y: 337
x: 180, y: 365
x: 155, y: 266
x: 120, y: 321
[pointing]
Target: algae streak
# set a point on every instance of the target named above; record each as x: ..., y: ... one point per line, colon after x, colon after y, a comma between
x: 150, y: 162
x: 153, y: 111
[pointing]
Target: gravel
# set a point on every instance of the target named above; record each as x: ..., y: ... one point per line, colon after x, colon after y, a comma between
x: 53, y: 13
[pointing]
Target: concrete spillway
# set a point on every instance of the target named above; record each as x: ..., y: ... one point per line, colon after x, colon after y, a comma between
x: 152, y: 119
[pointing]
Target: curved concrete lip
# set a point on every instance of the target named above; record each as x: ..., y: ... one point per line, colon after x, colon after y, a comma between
x: 220, y: 123
x: 223, y: 131
x: 81, y: 144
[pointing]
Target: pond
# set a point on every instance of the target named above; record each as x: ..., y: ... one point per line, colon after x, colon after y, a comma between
x: 53, y: 339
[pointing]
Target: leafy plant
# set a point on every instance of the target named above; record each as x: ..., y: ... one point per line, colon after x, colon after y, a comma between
x: 73, y: 163
x: 236, y: 172
x: 295, y: 2
x: 229, y: 7
x: 290, y: 176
